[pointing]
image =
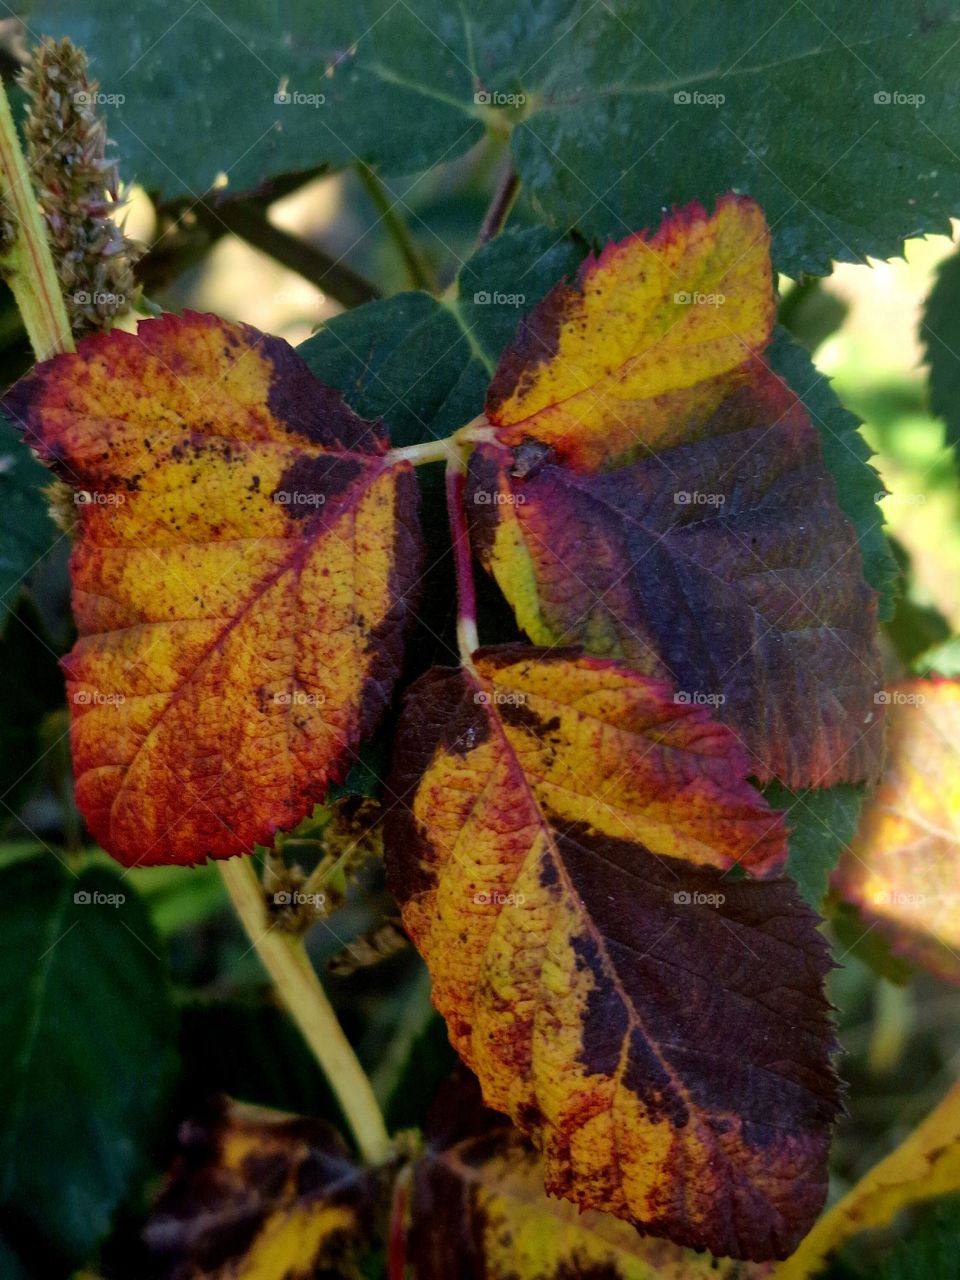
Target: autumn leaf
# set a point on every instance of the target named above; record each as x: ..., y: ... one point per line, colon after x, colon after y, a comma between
x: 656, y: 1025
x: 478, y: 1208
x: 715, y: 554
x: 902, y: 870
x: 242, y: 574
x: 646, y: 345
x: 926, y: 1165
x: 260, y: 1195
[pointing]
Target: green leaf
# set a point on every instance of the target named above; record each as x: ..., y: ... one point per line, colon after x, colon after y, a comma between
x: 853, y: 937
x: 616, y: 111
x: 940, y: 335
x: 11, y: 1266
x: 942, y: 659
x: 88, y: 1029
x: 932, y: 1248
x: 820, y: 824
x: 30, y: 686
x: 248, y: 1048
x: 838, y: 174
x: 177, y: 901
x: 28, y: 533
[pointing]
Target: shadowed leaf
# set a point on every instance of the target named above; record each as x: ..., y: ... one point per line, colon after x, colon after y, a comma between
x: 84, y: 998
x: 657, y: 1027
x: 940, y: 334
x: 902, y: 869
x: 260, y: 1195
x: 28, y: 532
x: 241, y: 580
x: 828, y: 115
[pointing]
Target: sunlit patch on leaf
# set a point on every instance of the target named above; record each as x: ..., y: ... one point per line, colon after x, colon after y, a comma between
x: 256, y: 1194
x: 902, y: 869
x: 658, y: 1027
x: 646, y: 343
x: 716, y: 555
x: 478, y: 1208
x: 242, y: 575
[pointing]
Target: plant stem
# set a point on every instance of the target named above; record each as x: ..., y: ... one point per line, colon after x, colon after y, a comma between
x: 419, y: 454
x: 468, y: 640
x: 249, y: 221
x: 500, y: 205
x: 27, y: 263
x: 285, y: 959
x: 418, y: 269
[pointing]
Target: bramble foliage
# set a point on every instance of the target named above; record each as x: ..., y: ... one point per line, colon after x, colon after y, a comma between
x: 557, y: 579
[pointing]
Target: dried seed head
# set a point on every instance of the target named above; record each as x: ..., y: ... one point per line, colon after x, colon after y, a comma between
x: 78, y: 187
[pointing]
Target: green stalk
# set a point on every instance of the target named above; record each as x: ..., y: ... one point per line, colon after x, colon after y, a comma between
x: 26, y: 262
x: 418, y: 269
x: 285, y: 959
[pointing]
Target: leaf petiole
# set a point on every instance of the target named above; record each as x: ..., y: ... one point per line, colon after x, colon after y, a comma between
x: 468, y: 640
x: 286, y: 961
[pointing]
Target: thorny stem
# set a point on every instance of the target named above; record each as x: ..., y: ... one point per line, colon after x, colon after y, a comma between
x: 27, y: 263
x: 285, y: 959
x: 418, y: 269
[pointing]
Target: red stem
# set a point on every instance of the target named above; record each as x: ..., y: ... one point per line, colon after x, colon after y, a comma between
x: 397, y: 1234
x: 466, y: 592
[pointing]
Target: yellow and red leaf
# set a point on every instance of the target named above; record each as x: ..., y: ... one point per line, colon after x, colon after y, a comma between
x: 902, y: 870
x: 650, y: 339
x: 242, y: 575
x: 657, y: 1026
x: 674, y: 511
x: 477, y: 1207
